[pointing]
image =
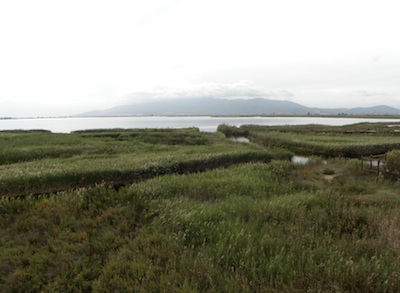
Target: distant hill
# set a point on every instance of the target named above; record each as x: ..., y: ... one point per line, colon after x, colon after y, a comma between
x: 213, y: 106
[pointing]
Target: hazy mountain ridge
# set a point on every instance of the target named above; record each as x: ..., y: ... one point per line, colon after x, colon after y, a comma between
x: 213, y: 106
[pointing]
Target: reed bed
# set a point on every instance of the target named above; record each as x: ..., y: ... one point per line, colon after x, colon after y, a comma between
x: 338, y: 145
x: 255, y: 227
x: 352, y: 141
x: 114, y: 157
x: 247, y: 227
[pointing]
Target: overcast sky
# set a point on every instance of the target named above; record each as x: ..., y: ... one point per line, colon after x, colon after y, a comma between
x: 67, y: 57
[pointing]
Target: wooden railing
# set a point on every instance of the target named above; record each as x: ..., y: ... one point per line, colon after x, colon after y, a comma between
x: 374, y: 164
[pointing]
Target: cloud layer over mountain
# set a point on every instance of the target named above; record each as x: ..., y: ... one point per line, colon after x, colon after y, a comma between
x: 65, y: 57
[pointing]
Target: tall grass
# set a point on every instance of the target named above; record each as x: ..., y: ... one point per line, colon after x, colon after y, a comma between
x: 61, y: 174
x: 117, y: 158
x: 393, y: 164
x: 351, y: 141
x: 338, y: 145
x: 20, y: 146
x: 246, y: 228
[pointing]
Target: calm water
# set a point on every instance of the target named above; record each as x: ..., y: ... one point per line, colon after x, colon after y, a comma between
x: 209, y: 124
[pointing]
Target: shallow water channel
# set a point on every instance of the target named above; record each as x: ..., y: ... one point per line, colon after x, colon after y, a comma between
x: 295, y: 159
x: 300, y: 160
x: 241, y: 139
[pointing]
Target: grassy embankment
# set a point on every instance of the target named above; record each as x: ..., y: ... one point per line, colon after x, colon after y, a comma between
x: 352, y: 141
x: 41, y: 162
x: 274, y: 227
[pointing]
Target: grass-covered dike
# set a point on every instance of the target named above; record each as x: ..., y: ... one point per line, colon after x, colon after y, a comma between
x: 260, y: 224
x: 350, y: 141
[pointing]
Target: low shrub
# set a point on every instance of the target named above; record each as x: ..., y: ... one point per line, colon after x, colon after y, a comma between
x: 328, y: 171
x: 232, y: 131
x: 393, y: 163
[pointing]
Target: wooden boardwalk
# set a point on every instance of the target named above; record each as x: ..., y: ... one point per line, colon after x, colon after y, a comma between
x: 374, y: 164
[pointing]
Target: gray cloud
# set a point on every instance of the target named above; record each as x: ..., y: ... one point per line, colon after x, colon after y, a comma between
x: 286, y: 93
x: 243, y: 89
x: 365, y: 93
x: 376, y: 58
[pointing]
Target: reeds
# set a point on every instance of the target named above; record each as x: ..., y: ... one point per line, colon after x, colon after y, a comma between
x: 250, y: 227
x: 247, y: 227
x: 114, y: 158
x: 330, y: 141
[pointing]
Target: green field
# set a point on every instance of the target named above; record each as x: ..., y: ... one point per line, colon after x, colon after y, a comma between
x: 212, y: 215
x: 38, y: 162
x: 345, y: 141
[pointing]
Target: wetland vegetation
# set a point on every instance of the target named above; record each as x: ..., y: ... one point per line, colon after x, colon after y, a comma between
x: 213, y: 215
x: 351, y: 141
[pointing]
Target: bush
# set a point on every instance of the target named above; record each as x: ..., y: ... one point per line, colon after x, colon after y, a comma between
x: 328, y: 171
x: 393, y: 163
x: 232, y: 131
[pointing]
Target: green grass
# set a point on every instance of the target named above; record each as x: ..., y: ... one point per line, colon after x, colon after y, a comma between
x: 389, y: 128
x: 239, y: 225
x: 114, y: 157
x: 337, y: 145
x: 20, y: 146
x: 351, y: 141
x: 252, y: 227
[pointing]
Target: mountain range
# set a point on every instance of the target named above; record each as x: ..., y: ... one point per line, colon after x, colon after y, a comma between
x: 214, y: 106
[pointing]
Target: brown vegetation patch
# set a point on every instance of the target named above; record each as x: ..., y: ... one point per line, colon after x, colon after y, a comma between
x: 390, y: 231
x: 329, y: 178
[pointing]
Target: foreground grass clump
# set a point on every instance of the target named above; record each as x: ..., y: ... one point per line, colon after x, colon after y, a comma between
x: 393, y: 163
x: 247, y: 228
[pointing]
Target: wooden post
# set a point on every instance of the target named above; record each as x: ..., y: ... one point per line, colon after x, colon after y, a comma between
x: 379, y: 162
x: 362, y: 163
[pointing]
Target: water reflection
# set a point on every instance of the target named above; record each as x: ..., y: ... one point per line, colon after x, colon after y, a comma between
x: 300, y: 160
x: 240, y: 139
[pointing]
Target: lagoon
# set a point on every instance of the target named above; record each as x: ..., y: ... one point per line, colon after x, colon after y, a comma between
x: 204, y: 123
